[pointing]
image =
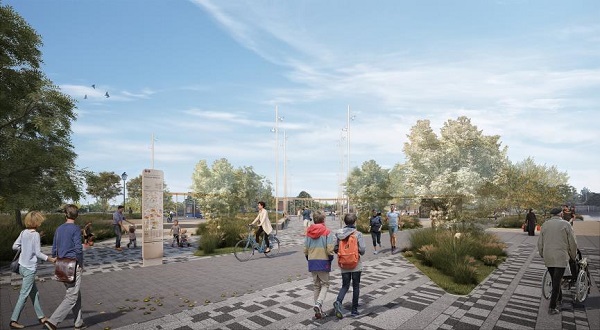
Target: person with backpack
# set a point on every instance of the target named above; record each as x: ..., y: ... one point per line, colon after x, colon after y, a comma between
x: 318, y: 250
x: 375, y: 226
x: 349, y: 246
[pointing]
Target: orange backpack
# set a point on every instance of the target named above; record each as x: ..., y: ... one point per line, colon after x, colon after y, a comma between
x: 348, y: 252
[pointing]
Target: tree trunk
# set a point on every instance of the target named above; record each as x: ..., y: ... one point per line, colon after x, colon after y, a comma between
x: 18, y: 220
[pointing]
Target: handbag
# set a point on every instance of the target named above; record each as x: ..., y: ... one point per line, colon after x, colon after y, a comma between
x: 65, y: 269
x: 14, y: 265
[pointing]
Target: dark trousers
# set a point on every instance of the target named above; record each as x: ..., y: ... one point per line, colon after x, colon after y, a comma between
x: 117, y: 236
x: 260, y: 231
x: 557, y: 275
x: 346, y: 278
x: 376, y: 236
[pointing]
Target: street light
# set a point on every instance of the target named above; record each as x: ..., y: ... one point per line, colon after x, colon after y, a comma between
x: 276, y: 131
x: 124, y: 177
x: 347, y: 129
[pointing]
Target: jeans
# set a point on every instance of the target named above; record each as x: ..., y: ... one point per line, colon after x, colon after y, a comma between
x: 346, y: 277
x: 28, y: 289
x: 118, y: 236
x: 557, y: 275
x: 72, y: 301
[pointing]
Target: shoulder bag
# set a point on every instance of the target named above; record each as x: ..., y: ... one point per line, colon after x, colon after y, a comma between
x: 14, y: 265
x: 65, y: 269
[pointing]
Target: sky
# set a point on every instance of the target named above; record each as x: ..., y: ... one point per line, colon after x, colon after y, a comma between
x: 205, y: 79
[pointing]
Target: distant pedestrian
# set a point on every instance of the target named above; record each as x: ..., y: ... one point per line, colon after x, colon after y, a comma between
x: 349, y: 275
x: 29, y: 244
x: 67, y: 244
x: 175, y: 230
x: 318, y: 250
x: 375, y: 229
x: 306, y: 219
x: 392, y: 218
x: 530, y: 222
x: 118, y: 226
x: 88, y: 236
x: 557, y: 246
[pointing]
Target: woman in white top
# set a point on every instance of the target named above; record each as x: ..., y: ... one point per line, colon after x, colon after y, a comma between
x: 30, y: 245
x: 264, y: 225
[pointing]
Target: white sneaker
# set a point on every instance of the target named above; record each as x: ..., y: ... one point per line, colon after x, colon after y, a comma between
x: 318, y: 312
x: 374, y: 252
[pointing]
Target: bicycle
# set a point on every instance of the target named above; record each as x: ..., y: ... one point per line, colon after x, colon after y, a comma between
x: 245, y: 248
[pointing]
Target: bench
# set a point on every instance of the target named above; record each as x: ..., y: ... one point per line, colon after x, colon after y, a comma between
x: 282, y: 223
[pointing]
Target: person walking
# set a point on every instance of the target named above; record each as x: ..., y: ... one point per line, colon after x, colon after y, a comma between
x: 349, y: 275
x: 557, y: 246
x: 67, y: 244
x: 318, y: 250
x: 530, y: 221
x: 392, y: 219
x: 306, y: 220
x: 264, y: 225
x: 375, y: 228
x: 30, y: 245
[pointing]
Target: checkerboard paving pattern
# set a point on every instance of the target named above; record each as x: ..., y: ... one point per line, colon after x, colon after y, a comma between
x: 393, y: 295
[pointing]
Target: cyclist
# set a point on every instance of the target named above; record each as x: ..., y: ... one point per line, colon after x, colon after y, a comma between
x: 264, y: 225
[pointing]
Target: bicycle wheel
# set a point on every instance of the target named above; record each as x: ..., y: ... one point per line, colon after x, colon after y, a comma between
x: 243, y: 250
x: 547, y: 285
x: 581, y: 287
x: 274, y: 242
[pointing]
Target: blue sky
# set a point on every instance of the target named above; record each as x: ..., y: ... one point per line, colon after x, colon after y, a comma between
x: 205, y: 76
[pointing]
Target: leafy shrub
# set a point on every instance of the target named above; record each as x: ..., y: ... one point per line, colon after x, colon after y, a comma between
x: 490, y: 260
x: 511, y: 221
x: 464, y: 272
x: 209, y: 242
x: 410, y: 222
x: 426, y: 253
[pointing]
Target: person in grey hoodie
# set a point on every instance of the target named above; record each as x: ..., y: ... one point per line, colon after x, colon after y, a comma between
x: 349, y: 274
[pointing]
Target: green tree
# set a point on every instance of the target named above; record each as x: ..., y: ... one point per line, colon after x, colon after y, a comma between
x: 37, y: 168
x: 368, y: 187
x: 454, y: 166
x: 104, y: 186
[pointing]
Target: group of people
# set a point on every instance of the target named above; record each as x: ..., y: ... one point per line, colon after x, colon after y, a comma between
x: 320, y: 246
x: 66, y: 244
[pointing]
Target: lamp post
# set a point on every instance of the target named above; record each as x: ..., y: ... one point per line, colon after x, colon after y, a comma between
x: 276, y: 131
x: 347, y: 129
x: 124, y: 177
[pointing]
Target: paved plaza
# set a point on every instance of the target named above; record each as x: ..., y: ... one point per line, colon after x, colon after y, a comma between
x: 189, y: 292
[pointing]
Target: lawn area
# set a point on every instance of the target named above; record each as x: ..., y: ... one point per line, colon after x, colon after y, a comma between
x: 218, y: 251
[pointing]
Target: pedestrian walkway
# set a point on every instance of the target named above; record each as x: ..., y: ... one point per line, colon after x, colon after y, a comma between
x: 189, y: 292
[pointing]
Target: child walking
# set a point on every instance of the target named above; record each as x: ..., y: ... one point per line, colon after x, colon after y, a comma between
x: 132, y: 238
x: 175, y: 229
x: 318, y: 250
x: 349, y: 274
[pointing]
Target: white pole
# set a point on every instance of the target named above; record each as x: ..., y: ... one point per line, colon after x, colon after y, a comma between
x: 276, y: 164
x: 152, y: 147
x: 285, y: 206
x: 348, y: 151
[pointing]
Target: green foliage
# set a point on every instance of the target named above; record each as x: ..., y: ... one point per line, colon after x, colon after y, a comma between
x: 368, y: 186
x: 457, y: 253
x: 104, y: 186
x: 37, y: 170
x: 101, y: 227
x: 410, y: 222
x: 209, y: 242
x: 230, y: 230
x: 510, y: 221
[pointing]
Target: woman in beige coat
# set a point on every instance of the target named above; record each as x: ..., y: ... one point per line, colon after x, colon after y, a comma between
x: 264, y: 225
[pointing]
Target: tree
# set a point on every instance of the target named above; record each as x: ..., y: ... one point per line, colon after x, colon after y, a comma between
x: 454, y: 166
x: 37, y: 168
x: 104, y: 186
x: 368, y: 187
x: 223, y: 189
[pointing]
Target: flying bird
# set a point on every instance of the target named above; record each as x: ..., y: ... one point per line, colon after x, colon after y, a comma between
x: 106, y: 94
x: 94, y: 86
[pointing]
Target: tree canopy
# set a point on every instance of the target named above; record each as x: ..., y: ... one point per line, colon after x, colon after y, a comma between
x: 37, y: 159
